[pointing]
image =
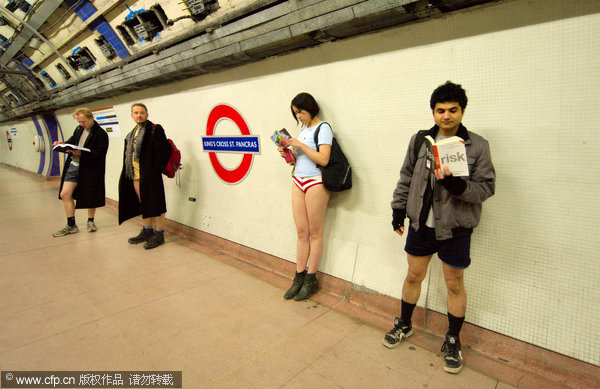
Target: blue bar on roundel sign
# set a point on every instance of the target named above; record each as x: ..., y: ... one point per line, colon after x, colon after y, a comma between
x: 248, y: 144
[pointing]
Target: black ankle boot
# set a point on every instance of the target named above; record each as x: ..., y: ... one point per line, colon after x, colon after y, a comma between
x: 309, y: 287
x: 296, y: 285
x: 143, y: 236
x: 155, y: 240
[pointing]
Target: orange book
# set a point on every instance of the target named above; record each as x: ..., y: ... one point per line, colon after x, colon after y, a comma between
x: 450, y: 152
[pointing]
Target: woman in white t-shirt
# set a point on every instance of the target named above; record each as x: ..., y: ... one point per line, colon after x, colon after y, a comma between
x: 309, y: 196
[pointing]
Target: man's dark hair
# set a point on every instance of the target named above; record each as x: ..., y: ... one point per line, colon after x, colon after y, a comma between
x: 449, y: 92
x: 305, y: 102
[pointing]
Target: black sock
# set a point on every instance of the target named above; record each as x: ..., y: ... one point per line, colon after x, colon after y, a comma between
x: 71, y: 221
x: 90, y: 219
x: 454, y: 324
x: 407, y: 311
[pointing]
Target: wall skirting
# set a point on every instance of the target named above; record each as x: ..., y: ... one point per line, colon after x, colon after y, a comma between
x: 30, y: 173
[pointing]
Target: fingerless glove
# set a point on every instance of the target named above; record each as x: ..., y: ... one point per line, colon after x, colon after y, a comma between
x: 398, y: 216
x: 454, y: 185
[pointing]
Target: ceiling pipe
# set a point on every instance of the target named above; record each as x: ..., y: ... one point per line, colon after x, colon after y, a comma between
x: 10, y: 71
x: 41, y: 37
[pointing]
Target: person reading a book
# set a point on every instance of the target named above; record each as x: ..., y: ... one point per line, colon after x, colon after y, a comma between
x: 309, y: 196
x: 141, y: 189
x: 83, y: 173
x: 442, y: 209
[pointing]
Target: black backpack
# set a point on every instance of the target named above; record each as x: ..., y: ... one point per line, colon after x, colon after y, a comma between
x: 337, y: 175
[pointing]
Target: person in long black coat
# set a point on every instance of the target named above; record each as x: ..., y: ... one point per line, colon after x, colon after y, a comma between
x: 82, y: 179
x: 141, y: 189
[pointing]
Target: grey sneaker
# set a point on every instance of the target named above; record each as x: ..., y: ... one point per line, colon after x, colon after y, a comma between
x: 453, y: 360
x: 91, y: 226
x: 66, y: 231
x: 400, y: 331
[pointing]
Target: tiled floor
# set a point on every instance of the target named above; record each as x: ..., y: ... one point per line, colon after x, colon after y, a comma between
x: 91, y: 301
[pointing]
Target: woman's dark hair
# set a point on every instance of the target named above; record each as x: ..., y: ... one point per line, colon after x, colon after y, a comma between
x: 306, y: 102
x: 449, y: 92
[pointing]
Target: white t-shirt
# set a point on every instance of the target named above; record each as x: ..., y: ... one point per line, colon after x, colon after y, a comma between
x: 305, y: 167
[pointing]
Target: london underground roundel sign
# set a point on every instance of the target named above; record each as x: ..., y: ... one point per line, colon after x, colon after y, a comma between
x: 246, y: 144
x: 9, y: 140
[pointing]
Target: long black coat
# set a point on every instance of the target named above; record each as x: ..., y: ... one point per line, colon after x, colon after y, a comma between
x: 90, y: 190
x: 154, y: 154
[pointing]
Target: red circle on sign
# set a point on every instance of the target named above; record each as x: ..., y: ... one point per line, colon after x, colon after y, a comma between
x: 226, y: 112
x: 9, y: 140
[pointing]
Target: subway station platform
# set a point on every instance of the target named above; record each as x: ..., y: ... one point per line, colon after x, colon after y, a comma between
x: 93, y: 302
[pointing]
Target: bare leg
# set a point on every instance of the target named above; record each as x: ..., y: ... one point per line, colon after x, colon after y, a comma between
x: 301, y: 220
x: 411, y: 290
x: 316, y: 199
x: 457, y: 295
x: 159, y: 222
x: 136, y: 186
x: 417, y: 270
x: 66, y: 194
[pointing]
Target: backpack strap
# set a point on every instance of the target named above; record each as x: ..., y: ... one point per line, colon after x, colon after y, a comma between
x: 317, y: 135
x: 419, y: 142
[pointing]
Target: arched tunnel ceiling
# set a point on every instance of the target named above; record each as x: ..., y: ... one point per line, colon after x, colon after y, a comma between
x: 106, y: 48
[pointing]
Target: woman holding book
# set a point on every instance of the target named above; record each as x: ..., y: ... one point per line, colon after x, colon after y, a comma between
x: 309, y: 196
